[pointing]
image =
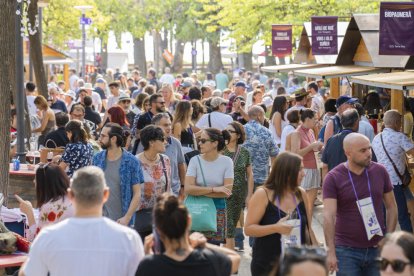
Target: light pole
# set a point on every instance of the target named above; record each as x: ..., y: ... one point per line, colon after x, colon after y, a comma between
x: 83, y: 9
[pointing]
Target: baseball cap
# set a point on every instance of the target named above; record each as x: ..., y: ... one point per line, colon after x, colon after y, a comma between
x: 345, y: 99
x: 240, y: 84
x: 123, y: 97
x: 100, y: 80
x: 217, y: 101
x: 186, y: 84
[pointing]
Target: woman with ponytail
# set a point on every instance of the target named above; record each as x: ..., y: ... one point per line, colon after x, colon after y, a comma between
x: 176, y: 252
x: 211, y: 174
x: 78, y: 153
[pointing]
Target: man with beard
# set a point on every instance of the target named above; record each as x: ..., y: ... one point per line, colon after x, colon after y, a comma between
x: 123, y: 175
x: 355, y: 194
x: 157, y: 104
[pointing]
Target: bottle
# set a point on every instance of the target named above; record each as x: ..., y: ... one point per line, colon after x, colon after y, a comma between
x: 16, y: 164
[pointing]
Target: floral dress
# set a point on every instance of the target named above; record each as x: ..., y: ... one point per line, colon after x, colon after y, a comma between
x: 49, y: 213
x: 76, y: 156
x: 236, y: 201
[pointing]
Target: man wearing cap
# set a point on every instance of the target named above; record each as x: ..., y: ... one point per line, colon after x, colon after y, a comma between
x: 334, y: 124
x: 96, y: 99
x: 185, y: 89
x: 115, y: 92
x: 57, y: 104
x: 124, y: 101
x: 217, y: 118
x: 239, y: 90
x: 301, y: 97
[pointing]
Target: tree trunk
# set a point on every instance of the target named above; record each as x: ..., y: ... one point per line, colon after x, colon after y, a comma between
x: 269, y: 59
x: 215, y: 63
x: 246, y: 60
x: 36, y: 53
x: 7, y: 85
x: 139, y: 55
x: 177, y: 65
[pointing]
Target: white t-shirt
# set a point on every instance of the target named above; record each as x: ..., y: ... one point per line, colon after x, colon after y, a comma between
x: 285, y: 132
x: 318, y: 105
x: 214, y: 172
x: 273, y: 129
x: 112, y: 100
x: 31, y: 105
x: 96, y: 100
x: 219, y: 120
x: 85, y: 247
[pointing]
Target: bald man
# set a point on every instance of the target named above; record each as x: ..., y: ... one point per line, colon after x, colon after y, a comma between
x: 354, y: 195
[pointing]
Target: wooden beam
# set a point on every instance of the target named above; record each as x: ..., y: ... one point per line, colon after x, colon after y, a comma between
x: 334, y: 89
x: 66, y: 76
x: 397, y: 100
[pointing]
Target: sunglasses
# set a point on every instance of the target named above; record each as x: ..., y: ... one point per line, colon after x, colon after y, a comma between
x: 203, y: 141
x: 396, y: 265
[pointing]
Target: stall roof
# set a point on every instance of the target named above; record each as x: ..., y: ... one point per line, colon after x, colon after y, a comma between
x: 288, y: 67
x: 362, y: 39
x: 395, y: 80
x: 338, y: 71
x: 304, y: 53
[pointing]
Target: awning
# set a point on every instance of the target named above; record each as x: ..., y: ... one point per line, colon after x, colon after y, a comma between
x: 395, y: 80
x: 339, y: 71
x: 55, y: 61
x: 288, y: 67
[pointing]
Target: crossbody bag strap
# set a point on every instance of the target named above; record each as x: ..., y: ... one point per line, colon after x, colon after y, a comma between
x: 389, y: 157
x: 209, y: 120
x: 202, y: 173
x: 236, y: 155
x: 164, y: 169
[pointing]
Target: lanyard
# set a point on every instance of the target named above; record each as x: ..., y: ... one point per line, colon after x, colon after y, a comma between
x: 297, y: 208
x: 352, y: 182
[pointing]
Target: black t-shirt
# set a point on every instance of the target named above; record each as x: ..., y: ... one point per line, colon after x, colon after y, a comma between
x: 238, y: 118
x: 92, y: 115
x: 59, y: 105
x: 58, y: 137
x: 100, y: 92
x: 201, y: 262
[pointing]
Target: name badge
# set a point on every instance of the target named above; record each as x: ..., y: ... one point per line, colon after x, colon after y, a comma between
x: 371, y: 224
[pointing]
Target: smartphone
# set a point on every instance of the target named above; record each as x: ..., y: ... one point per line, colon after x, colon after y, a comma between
x: 158, y: 247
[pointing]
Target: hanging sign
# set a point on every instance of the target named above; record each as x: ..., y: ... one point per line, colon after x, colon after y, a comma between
x: 281, y: 40
x: 324, y: 35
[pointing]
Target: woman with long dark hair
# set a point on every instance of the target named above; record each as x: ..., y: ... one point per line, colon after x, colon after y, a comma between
x: 78, y: 153
x: 178, y: 253
x: 279, y: 197
x: 183, y: 126
x: 243, y: 179
x: 211, y: 174
x: 277, y: 115
x: 51, y: 196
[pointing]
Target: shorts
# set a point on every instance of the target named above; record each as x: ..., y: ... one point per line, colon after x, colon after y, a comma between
x: 311, y: 180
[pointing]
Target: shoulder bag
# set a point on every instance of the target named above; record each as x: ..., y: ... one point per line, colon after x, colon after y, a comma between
x: 406, y: 177
x: 143, y: 217
x: 202, y: 209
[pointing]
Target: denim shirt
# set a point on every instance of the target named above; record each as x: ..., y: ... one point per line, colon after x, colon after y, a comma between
x: 130, y: 173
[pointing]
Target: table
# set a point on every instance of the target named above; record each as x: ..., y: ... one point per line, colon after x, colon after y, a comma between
x: 21, y: 183
x: 15, y: 259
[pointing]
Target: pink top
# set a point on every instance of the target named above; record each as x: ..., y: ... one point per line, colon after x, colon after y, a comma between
x: 50, y: 213
x: 306, y: 138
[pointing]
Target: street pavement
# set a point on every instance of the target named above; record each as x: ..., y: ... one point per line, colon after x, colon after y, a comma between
x: 317, y: 226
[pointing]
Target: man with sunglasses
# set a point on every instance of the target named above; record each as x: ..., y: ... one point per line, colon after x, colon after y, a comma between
x: 355, y: 195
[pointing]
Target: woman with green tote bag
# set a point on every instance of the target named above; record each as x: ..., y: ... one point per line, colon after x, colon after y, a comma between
x: 209, y: 180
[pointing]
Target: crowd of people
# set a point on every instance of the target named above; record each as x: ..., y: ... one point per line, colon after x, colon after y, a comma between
x: 169, y: 175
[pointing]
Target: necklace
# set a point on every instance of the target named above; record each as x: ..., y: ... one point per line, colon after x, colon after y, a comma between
x: 151, y: 160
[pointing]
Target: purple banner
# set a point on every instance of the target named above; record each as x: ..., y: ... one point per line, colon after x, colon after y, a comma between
x: 324, y: 35
x: 281, y: 40
x: 396, y: 35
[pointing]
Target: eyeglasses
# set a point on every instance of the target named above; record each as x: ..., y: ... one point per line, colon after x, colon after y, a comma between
x: 203, y: 141
x: 396, y: 265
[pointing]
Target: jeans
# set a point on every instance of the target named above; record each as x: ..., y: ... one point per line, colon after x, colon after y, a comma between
x: 357, y: 261
x: 403, y: 215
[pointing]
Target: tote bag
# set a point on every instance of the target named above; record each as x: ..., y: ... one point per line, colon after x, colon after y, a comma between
x: 202, y: 209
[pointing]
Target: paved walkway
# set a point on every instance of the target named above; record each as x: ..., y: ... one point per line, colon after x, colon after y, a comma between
x: 317, y: 226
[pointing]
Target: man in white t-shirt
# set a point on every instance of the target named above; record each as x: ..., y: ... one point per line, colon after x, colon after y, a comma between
x: 30, y: 90
x: 217, y: 118
x: 317, y: 100
x: 87, y: 244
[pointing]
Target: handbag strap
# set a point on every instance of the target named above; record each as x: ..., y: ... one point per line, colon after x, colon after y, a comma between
x: 202, y: 172
x: 209, y: 119
x: 389, y: 157
x: 236, y: 155
x: 164, y: 169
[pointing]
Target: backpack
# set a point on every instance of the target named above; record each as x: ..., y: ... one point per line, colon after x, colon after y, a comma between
x: 337, y: 128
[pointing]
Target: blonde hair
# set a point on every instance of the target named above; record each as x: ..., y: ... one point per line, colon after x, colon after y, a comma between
x: 182, y: 114
x: 41, y: 101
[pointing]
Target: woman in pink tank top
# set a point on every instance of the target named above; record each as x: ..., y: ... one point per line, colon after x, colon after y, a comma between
x: 305, y: 144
